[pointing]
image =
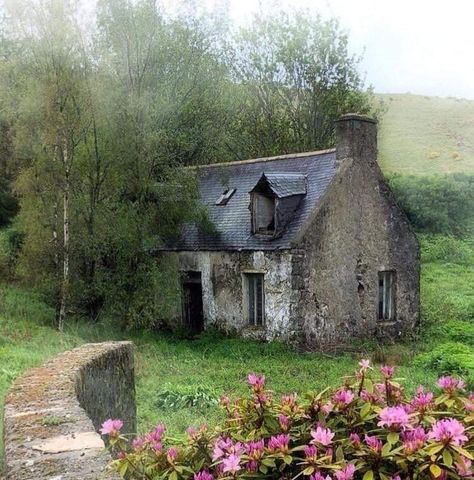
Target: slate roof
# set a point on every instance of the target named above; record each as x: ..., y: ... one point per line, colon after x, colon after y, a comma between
x: 285, y: 184
x: 233, y: 221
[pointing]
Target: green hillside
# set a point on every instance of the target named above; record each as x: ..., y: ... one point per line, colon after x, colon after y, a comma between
x: 423, y: 135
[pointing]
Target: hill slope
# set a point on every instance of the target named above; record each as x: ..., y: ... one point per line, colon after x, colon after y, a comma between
x: 425, y: 135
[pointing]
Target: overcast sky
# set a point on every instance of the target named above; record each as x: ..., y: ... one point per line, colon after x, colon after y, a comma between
x: 416, y: 46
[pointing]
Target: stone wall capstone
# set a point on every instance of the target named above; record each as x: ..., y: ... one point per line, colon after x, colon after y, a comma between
x: 53, y: 413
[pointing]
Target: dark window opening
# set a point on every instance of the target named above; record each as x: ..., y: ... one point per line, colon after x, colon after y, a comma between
x: 263, y: 214
x: 256, y: 299
x: 386, y: 309
x: 225, y: 197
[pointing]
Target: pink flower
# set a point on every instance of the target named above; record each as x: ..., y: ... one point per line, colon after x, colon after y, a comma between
x: 373, y: 443
x: 203, y: 475
x: 364, y: 364
x: 448, y: 431
x: 469, y: 403
x: 464, y: 467
x: 319, y: 476
x: 395, y: 477
x: 346, y: 473
x: 284, y: 422
x: 422, y: 400
x: 252, y: 466
x: 310, y: 453
x: 394, y: 418
x: 450, y: 384
x: 322, y: 435
x: 355, y: 439
x: 231, y: 463
x: 171, y: 454
x: 121, y: 455
x: 289, y: 400
x: 254, y: 449
x: 279, y: 443
x: 257, y: 382
x: 343, y: 397
x: 138, y: 443
x: 226, y: 446
x: 111, y: 427
x: 413, y: 440
x: 387, y: 371
x: 224, y: 401
x: 327, y: 408
x: 373, y: 398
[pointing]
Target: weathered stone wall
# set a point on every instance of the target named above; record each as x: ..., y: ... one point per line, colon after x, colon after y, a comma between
x: 223, y: 289
x: 53, y: 412
x: 357, y: 232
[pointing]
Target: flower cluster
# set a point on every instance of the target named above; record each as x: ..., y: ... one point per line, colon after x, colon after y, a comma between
x: 366, y: 429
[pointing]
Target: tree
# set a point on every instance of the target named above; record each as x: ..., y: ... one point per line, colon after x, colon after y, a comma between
x: 296, y: 76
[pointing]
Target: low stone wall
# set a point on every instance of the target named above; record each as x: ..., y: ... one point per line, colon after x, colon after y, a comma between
x: 53, y: 412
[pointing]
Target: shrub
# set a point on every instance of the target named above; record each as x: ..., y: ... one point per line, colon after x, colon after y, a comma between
x: 446, y: 249
x: 366, y: 429
x: 448, y: 357
x: 436, y: 204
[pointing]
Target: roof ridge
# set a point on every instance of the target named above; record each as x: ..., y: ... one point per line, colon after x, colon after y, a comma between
x: 266, y: 159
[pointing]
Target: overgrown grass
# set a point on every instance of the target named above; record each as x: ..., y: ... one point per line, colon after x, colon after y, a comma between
x: 173, y: 373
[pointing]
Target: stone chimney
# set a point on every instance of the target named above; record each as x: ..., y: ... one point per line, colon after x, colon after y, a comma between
x: 356, y: 139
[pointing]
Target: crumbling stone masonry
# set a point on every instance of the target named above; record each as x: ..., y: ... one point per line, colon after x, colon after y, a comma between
x: 53, y: 413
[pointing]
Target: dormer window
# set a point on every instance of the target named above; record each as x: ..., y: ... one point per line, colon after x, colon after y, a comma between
x: 225, y: 197
x: 263, y: 214
x: 273, y: 200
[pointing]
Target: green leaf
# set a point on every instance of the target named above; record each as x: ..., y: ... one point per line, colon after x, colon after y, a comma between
x: 365, y: 410
x: 435, y: 470
x: 173, y: 475
x: 288, y: 459
x: 308, y: 470
x: 386, y: 450
x: 393, y: 437
x: 369, y: 475
x: 447, y: 458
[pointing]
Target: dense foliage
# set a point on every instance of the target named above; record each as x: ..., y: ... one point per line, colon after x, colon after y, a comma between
x: 101, y: 114
x: 366, y: 429
x: 437, y: 204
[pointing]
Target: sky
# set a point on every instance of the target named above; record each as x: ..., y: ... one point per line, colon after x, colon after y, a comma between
x: 417, y: 46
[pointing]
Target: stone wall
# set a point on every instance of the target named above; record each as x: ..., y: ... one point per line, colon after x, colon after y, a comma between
x: 357, y: 232
x: 224, y: 296
x: 53, y: 412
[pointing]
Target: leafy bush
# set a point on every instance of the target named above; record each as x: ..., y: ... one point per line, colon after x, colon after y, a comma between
x: 437, y: 204
x: 446, y: 249
x: 366, y: 429
x: 187, y: 398
x: 448, y: 357
x: 457, y: 331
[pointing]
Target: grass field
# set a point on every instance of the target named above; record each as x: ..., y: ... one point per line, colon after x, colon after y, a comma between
x: 424, y: 135
x: 214, y: 365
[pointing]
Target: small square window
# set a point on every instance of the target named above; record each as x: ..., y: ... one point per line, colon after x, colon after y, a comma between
x: 386, y: 304
x: 225, y: 197
x: 255, y: 298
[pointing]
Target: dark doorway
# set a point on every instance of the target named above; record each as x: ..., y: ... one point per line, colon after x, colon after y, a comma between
x: 192, y: 302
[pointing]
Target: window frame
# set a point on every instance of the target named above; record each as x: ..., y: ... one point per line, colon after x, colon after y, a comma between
x: 387, y: 295
x: 254, y: 303
x: 254, y: 208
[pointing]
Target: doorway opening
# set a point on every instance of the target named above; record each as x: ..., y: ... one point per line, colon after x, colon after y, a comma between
x: 193, y: 315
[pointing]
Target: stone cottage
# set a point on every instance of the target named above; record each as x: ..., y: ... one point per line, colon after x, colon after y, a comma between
x: 309, y: 246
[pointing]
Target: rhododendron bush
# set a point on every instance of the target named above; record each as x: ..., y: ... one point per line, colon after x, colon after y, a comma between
x: 366, y: 429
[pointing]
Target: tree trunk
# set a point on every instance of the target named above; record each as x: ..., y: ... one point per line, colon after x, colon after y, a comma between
x: 65, y: 280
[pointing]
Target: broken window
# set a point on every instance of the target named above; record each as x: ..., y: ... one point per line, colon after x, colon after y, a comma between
x: 263, y: 214
x: 386, y: 295
x: 256, y: 298
x: 225, y: 197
